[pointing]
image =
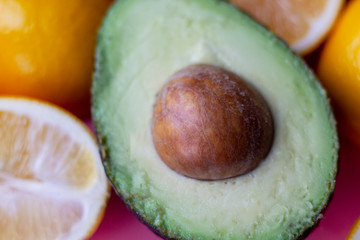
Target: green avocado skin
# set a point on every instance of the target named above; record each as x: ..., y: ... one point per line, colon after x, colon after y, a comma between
x: 140, y: 45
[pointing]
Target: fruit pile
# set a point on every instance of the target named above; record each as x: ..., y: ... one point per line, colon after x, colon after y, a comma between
x: 51, y: 177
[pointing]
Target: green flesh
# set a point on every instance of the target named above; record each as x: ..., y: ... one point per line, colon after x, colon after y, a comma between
x: 140, y: 45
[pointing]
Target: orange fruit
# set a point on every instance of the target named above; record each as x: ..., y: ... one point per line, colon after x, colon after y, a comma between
x: 339, y: 67
x: 303, y: 24
x: 355, y: 231
x: 52, y: 182
x: 47, y: 49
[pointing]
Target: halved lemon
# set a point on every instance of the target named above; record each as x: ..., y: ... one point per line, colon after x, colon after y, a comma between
x: 303, y: 24
x: 355, y: 231
x: 52, y: 182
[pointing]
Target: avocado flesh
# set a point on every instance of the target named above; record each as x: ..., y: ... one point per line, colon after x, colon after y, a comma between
x: 140, y: 45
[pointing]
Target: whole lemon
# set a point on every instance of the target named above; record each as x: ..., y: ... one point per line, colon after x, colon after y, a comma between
x: 339, y: 67
x: 47, y: 49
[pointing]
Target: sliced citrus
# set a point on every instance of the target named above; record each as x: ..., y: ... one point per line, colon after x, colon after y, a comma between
x: 355, y: 231
x: 303, y: 24
x: 52, y: 182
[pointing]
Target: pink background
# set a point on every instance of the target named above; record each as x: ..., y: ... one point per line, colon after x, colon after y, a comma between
x: 120, y: 224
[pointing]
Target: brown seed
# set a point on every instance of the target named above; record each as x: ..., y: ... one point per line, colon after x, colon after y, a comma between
x: 209, y: 124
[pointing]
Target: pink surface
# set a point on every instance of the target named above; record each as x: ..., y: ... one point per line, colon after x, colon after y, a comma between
x: 120, y: 224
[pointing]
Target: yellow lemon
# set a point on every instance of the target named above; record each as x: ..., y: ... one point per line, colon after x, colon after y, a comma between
x: 339, y: 66
x: 52, y: 182
x: 47, y: 49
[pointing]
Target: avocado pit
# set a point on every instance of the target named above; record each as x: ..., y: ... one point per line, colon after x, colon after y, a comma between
x: 210, y: 124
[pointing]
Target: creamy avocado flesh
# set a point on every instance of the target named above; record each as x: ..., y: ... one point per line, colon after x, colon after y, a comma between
x: 144, y: 42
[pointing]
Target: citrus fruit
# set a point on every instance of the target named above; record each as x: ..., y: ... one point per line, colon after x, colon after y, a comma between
x: 339, y: 67
x: 47, y: 49
x: 303, y: 24
x: 355, y: 231
x: 52, y: 183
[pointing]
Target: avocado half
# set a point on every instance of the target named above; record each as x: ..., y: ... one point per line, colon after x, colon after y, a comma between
x: 140, y: 45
